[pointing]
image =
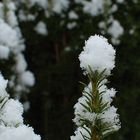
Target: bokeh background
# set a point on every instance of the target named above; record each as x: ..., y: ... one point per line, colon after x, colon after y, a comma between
x: 53, y: 58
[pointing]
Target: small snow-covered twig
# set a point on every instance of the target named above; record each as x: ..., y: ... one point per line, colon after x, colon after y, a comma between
x: 11, y: 50
x: 94, y: 115
x: 11, y: 120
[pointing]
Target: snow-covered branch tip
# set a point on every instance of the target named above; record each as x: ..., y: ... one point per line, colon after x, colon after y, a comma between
x: 11, y: 53
x: 94, y: 116
x: 11, y: 120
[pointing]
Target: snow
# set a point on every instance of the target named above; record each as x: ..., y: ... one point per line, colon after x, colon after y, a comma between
x: 71, y: 25
x: 21, y: 132
x: 41, y: 28
x: 11, y: 126
x: 21, y: 64
x: 93, y: 7
x: 115, y: 30
x: 26, y: 106
x: 10, y: 15
x: 95, y: 103
x: 3, y: 85
x: 98, y: 54
x: 27, y: 78
x: 111, y: 118
x: 59, y: 5
x: 107, y: 95
x: 24, y: 17
x: 120, y: 1
x: 114, y: 8
x: 4, y: 52
x: 72, y: 15
x: 41, y: 3
x: 11, y: 113
x: 7, y: 32
x: 12, y: 44
x: 78, y: 135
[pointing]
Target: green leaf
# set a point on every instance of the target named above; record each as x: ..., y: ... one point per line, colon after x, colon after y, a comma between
x: 90, y: 95
x: 102, y: 92
x: 88, y: 98
x: 86, y: 107
x: 83, y: 84
x: 104, y: 107
x: 83, y: 136
x: 102, y: 73
x: 87, y: 130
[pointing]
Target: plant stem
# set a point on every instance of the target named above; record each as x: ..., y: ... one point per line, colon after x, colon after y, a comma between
x: 95, y: 103
x: 106, y: 14
x: 95, y: 136
x: 5, y: 9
